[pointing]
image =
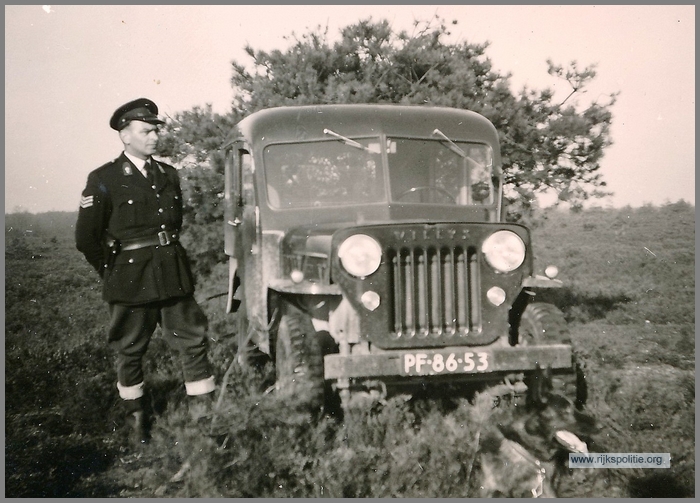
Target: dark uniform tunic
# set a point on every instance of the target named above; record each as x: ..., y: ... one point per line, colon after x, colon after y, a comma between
x: 147, y: 285
x: 120, y: 205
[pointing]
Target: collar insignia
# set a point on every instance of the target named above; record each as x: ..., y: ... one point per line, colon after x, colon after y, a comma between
x: 126, y: 167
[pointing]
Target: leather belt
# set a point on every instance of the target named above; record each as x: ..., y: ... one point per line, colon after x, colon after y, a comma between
x: 163, y: 238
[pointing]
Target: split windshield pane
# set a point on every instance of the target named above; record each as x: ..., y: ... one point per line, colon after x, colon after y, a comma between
x: 337, y: 173
x: 325, y: 173
x: 435, y: 172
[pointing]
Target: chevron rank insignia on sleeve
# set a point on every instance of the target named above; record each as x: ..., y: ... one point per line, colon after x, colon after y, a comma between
x: 86, y: 201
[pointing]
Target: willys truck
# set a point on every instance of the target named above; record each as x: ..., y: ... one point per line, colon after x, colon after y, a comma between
x: 369, y: 252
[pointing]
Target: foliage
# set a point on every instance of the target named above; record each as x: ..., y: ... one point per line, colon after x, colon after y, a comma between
x: 192, y: 141
x: 545, y: 145
x: 65, y: 435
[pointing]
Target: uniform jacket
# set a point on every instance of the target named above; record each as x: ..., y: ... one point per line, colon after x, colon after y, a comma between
x: 119, y: 203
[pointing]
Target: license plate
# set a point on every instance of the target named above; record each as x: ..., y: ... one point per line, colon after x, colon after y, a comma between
x: 446, y: 363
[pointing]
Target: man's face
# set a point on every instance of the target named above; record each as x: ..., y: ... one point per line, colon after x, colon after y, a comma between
x: 140, y: 139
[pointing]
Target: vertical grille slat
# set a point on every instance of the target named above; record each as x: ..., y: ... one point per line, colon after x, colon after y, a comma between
x: 410, y: 289
x: 462, y: 298
x: 474, y: 297
x: 436, y: 292
x: 422, y: 294
x: 397, y: 280
x: 450, y: 299
x: 437, y: 320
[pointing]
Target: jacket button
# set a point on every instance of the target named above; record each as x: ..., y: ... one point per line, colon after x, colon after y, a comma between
x: 162, y: 226
x: 131, y: 260
x: 160, y: 210
x: 130, y: 201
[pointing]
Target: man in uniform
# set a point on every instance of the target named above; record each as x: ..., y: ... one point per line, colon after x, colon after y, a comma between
x: 128, y: 228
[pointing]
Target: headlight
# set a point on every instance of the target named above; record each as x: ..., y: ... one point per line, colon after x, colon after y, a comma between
x: 360, y: 255
x: 504, y: 251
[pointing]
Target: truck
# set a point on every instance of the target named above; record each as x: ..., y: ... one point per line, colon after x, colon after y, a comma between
x: 369, y: 252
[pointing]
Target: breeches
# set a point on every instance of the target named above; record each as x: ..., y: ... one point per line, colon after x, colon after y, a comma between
x: 184, y: 327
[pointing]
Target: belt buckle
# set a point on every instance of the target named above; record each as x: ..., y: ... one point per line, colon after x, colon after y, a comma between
x: 163, y: 238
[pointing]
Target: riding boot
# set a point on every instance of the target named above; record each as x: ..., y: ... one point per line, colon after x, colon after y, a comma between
x: 136, y: 420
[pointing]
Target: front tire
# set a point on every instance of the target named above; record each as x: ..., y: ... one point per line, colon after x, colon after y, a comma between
x: 542, y: 324
x: 299, y: 359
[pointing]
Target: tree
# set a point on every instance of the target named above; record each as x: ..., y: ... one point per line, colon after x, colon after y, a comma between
x: 192, y: 141
x: 545, y: 145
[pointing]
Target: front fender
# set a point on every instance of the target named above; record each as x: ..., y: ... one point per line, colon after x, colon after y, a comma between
x: 538, y: 281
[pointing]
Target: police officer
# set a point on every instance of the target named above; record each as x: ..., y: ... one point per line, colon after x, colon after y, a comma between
x: 128, y: 229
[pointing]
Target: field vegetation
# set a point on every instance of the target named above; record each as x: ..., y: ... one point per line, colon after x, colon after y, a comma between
x: 629, y: 297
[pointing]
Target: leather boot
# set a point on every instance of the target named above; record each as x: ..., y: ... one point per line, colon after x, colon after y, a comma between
x: 137, y: 424
x: 136, y: 421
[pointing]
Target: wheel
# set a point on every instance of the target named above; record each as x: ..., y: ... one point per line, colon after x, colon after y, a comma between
x: 299, y: 359
x: 542, y: 324
x: 437, y: 190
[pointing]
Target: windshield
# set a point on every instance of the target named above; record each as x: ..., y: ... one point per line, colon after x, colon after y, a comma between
x: 440, y: 172
x: 345, y: 171
x: 324, y: 173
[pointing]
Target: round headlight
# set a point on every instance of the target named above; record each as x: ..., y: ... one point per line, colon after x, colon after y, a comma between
x: 504, y: 251
x: 360, y: 255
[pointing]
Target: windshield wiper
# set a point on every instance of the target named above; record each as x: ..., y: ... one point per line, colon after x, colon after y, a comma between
x: 453, y: 146
x: 347, y: 140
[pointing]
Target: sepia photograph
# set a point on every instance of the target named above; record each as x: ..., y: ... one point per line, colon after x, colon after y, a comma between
x: 349, y: 251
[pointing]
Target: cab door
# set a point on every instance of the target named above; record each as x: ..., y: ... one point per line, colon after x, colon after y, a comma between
x: 242, y: 229
x: 243, y: 245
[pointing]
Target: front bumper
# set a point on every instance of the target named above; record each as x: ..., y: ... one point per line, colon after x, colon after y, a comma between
x: 460, y: 361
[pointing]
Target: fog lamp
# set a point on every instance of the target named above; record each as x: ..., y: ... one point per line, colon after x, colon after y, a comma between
x: 297, y: 276
x: 551, y: 271
x: 496, y: 295
x: 370, y: 300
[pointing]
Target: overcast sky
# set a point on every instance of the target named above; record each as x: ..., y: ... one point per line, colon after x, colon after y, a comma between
x: 67, y: 68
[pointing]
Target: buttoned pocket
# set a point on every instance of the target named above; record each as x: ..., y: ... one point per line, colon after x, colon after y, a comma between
x: 129, y: 207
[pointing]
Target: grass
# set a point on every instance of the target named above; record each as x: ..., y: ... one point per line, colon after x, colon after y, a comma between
x: 628, y: 297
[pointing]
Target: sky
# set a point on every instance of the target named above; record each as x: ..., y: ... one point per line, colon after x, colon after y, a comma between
x: 67, y: 68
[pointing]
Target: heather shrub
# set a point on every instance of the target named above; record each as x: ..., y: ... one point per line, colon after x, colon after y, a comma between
x: 628, y: 294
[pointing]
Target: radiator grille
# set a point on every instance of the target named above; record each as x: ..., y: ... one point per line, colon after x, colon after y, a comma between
x: 435, y: 292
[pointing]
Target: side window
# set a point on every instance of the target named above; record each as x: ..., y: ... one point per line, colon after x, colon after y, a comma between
x: 241, y: 177
x: 246, y: 177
